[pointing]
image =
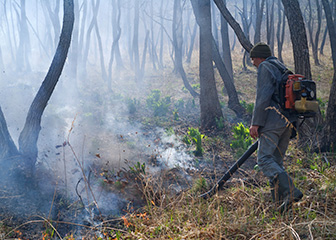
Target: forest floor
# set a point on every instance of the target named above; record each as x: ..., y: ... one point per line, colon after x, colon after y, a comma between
x: 146, y: 172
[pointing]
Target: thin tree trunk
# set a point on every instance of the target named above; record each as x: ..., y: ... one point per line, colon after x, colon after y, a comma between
x: 226, y: 46
x: 135, y: 45
x: 23, y: 52
x: 29, y: 135
x: 259, y: 15
x: 280, y: 30
x: 270, y: 24
x: 233, y: 103
x: 192, y: 43
x: 177, y: 45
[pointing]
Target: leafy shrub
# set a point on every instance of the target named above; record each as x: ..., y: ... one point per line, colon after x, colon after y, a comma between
x: 220, y: 123
x: 159, y: 105
x: 196, y: 137
x: 248, y: 106
x: 242, y: 139
x: 132, y: 105
x: 179, y: 105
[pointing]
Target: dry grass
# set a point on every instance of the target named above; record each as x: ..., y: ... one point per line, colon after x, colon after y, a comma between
x: 241, y: 211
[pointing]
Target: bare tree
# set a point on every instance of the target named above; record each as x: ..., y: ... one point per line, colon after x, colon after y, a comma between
x: 330, y: 130
x: 28, y: 137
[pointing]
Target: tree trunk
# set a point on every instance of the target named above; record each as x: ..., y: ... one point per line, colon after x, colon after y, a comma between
x: 244, y: 41
x: 210, y: 106
x: 135, y: 45
x: 73, y: 56
x: 116, y: 15
x: 7, y: 146
x: 100, y: 45
x: 23, y: 52
x: 270, y: 24
x: 233, y: 103
x: 177, y: 45
x: 310, y: 26
x: 330, y: 130
x: 226, y: 46
x: 95, y: 8
x: 246, y: 22
x: 280, y: 30
x: 298, y: 37
x: 192, y: 41
x: 29, y: 135
x: 53, y: 15
x: 259, y: 15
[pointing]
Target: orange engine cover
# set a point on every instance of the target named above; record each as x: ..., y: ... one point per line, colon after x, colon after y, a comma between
x: 290, y: 93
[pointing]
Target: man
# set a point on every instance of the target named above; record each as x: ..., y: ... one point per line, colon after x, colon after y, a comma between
x: 272, y: 128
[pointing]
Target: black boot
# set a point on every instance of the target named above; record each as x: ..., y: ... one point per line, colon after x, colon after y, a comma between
x: 287, y: 191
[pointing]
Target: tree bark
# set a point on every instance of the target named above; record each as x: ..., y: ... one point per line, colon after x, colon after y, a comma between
x: 210, y: 106
x: 330, y: 130
x: 298, y: 36
x: 29, y: 135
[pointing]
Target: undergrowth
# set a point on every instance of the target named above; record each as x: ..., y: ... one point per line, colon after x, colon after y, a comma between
x: 241, y: 211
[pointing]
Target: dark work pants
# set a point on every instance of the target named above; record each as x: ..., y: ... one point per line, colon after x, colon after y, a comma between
x: 272, y: 148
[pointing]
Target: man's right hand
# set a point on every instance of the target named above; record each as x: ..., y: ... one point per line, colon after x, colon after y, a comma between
x: 254, y: 131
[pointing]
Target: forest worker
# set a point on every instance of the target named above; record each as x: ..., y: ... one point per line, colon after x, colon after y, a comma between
x: 271, y: 128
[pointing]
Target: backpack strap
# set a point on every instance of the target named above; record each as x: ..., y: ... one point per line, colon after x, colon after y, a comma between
x: 276, y: 97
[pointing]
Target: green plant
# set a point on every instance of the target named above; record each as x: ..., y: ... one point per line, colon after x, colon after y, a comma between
x: 200, y: 185
x: 179, y: 105
x: 322, y: 105
x: 196, y: 86
x: 186, y: 140
x: 159, y: 105
x: 220, y: 123
x: 241, y: 139
x: 248, y: 106
x: 196, y: 137
x: 138, y: 168
x: 170, y: 131
x: 176, y: 115
x: 132, y: 105
x: 318, y: 164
